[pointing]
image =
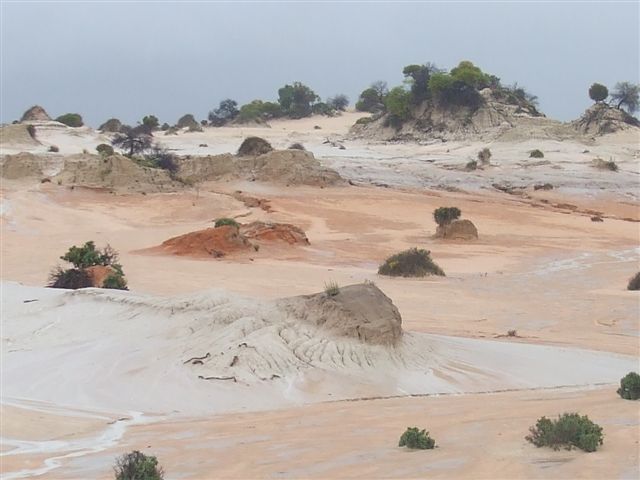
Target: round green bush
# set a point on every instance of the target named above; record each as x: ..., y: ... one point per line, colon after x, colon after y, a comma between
x: 417, y: 439
x: 104, y: 149
x: 536, y: 154
x: 446, y: 215
x: 71, y: 120
x: 630, y: 386
x: 569, y: 430
x: 410, y: 263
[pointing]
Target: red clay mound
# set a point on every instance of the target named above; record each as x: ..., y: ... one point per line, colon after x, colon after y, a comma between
x: 211, y: 242
x: 274, y: 232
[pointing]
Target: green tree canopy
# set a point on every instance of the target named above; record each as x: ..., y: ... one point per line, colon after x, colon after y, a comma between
x: 296, y: 100
x: 598, y: 92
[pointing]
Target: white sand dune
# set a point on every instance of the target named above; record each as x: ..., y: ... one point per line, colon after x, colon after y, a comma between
x: 121, y: 351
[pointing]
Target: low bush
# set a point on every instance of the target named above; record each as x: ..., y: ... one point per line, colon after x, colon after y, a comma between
x: 568, y: 431
x: 634, y: 282
x: 410, y: 263
x: 446, y: 215
x: 471, y: 165
x: 54, y: 149
x: 83, y: 258
x: 254, y: 146
x: 417, y: 439
x: 104, y: 149
x: 331, y: 289
x: 138, y: 466
x: 296, y: 146
x: 187, y: 120
x: 71, y: 120
x: 601, y: 164
x: 484, y: 156
x: 630, y: 386
x: 226, y: 221
x: 536, y: 154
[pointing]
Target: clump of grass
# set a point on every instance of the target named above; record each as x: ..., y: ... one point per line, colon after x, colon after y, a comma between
x: 536, y: 154
x: 512, y: 333
x: 331, y: 289
x: 568, y: 431
x: 54, y: 149
x: 601, y: 164
x: 410, y: 263
x: 471, y: 165
x: 630, y: 386
x: 226, y: 221
x: 634, y: 282
x: 415, y: 438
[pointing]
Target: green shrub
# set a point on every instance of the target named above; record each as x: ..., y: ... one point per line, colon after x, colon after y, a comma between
x: 410, y: 263
x: 71, y: 119
x: 254, y: 146
x: 138, y: 466
x: 296, y: 100
x: 104, y: 149
x: 536, y: 154
x: 115, y: 281
x: 471, y: 165
x: 398, y: 103
x: 226, y: 221
x: 484, y: 156
x: 630, y: 386
x: 72, y: 278
x: 331, y: 289
x: 418, y: 439
x: 187, y: 120
x: 568, y: 431
x: 634, y: 282
x: 54, y: 149
x: 598, y: 92
x: 446, y: 215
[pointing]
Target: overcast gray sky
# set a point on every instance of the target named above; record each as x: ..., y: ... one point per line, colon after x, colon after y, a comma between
x: 126, y: 59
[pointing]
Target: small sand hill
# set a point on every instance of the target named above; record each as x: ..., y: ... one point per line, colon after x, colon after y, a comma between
x: 17, y: 136
x: 457, y: 230
x: 600, y: 119
x: 35, y: 114
x: 289, y: 167
x: 211, y: 242
x: 116, y: 172
x: 274, y: 232
x: 495, y: 119
x: 228, y: 240
x: 360, y: 311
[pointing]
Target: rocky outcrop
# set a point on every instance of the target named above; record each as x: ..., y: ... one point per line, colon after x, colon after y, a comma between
x: 600, y: 119
x: 35, y: 114
x: 359, y: 311
x: 274, y: 232
x: 457, y: 230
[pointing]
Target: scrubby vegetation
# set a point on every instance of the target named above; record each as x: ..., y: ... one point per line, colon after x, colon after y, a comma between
x: 634, y: 282
x: 71, y: 119
x: 226, y: 112
x: 331, y: 289
x: 372, y: 99
x: 536, y: 153
x: 297, y: 146
x: 630, y: 386
x: 626, y: 95
x: 104, y: 149
x: 53, y: 149
x: 568, y: 431
x: 186, y: 121
x: 82, y: 258
x: 598, y: 92
x: 416, y: 439
x: 138, y: 466
x: 132, y: 140
x: 226, y: 221
x: 601, y: 164
x: 252, y: 146
x: 471, y: 165
x: 149, y: 124
x: 410, y: 263
x: 484, y: 156
x: 446, y: 215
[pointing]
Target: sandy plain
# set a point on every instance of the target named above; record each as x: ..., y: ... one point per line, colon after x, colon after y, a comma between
x: 540, y: 267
